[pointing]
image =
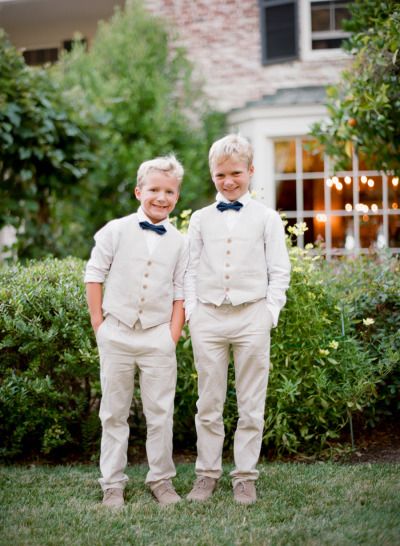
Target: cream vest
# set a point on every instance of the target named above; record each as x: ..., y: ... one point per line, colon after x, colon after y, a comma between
x: 232, y: 263
x: 140, y: 286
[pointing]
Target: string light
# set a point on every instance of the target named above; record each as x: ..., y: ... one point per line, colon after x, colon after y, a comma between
x: 395, y: 205
x: 364, y: 179
x: 374, y: 207
x: 339, y: 186
x: 329, y: 183
x: 348, y: 207
x: 360, y: 207
x: 371, y: 183
x: 321, y: 217
x: 347, y: 179
x: 395, y: 181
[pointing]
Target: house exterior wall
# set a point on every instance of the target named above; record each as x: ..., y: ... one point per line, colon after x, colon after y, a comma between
x: 223, y: 39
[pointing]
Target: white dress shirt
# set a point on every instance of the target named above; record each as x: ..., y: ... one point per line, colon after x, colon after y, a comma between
x: 276, y: 257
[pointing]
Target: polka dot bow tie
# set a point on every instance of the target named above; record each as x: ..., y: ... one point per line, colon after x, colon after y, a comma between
x: 229, y: 206
x: 157, y: 229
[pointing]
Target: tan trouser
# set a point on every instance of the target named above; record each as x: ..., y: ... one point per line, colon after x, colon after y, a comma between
x: 214, y: 329
x: 152, y: 351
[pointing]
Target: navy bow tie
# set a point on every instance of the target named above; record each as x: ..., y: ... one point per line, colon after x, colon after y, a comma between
x: 229, y: 206
x: 158, y: 229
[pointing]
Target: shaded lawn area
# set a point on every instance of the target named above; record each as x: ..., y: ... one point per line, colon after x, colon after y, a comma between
x: 299, y: 504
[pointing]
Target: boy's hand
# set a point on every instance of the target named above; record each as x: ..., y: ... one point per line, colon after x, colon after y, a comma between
x: 96, y: 322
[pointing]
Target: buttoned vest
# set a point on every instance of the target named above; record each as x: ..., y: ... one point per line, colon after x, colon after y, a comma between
x: 232, y: 262
x: 140, y: 286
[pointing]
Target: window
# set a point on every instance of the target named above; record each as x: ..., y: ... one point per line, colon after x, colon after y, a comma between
x: 35, y: 57
x: 326, y: 23
x: 279, y: 30
x: 350, y: 212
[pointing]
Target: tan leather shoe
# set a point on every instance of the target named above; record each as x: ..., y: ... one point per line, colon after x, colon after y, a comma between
x: 113, y: 497
x: 203, y: 488
x: 245, y: 492
x: 166, y: 494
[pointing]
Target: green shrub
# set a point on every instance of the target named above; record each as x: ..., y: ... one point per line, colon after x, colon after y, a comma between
x: 328, y: 361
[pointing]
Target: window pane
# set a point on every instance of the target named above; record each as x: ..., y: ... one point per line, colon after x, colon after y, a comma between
x: 286, y: 195
x: 313, y: 157
x: 313, y: 194
x: 285, y: 156
x: 371, y: 231
x: 333, y: 43
x: 280, y: 31
x: 394, y: 230
x: 320, y: 18
x: 341, y: 13
x: 315, y: 232
x: 394, y: 192
x: 342, y: 193
x: 342, y: 228
x: 370, y: 191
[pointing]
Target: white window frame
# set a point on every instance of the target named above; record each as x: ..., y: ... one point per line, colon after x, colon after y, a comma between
x: 305, y: 38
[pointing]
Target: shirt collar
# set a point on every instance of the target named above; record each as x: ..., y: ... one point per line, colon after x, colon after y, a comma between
x: 244, y: 199
x: 142, y: 216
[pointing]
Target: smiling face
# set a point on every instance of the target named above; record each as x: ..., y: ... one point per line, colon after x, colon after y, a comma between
x: 232, y: 177
x: 158, y: 195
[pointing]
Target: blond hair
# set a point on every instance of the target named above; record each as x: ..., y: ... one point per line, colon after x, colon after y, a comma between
x: 228, y: 146
x: 166, y: 164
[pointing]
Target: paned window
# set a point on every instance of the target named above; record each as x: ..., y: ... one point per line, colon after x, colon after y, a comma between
x: 34, y: 57
x: 279, y: 30
x: 347, y: 212
x: 326, y: 23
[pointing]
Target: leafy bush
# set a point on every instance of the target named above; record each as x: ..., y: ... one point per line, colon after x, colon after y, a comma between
x: 328, y: 361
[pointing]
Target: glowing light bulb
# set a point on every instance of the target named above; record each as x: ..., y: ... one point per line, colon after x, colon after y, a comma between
x: 347, y: 179
x: 335, y: 179
x: 364, y: 179
x: 371, y: 183
x: 339, y: 186
x: 348, y: 207
x: 329, y: 182
x: 374, y: 207
x: 395, y: 205
x: 395, y: 181
x: 321, y: 217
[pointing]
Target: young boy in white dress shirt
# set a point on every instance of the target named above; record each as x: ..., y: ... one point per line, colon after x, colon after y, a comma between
x: 141, y: 258
x: 235, y: 287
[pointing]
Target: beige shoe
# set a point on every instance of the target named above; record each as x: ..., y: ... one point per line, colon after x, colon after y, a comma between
x: 113, y: 497
x: 166, y: 494
x: 203, y: 488
x: 245, y: 492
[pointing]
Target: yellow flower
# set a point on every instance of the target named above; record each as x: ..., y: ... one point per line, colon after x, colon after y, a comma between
x: 334, y: 345
x: 368, y: 321
x: 324, y: 352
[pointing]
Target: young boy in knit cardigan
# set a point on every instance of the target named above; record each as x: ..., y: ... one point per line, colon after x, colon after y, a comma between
x: 235, y: 287
x: 141, y: 259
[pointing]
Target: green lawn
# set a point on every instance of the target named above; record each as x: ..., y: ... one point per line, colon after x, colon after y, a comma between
x: 299, y: 504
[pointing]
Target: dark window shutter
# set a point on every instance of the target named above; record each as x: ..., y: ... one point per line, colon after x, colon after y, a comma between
x: 278, y: 30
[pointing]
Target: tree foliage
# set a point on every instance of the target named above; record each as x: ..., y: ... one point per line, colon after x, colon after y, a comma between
x: 43, y: 153
x: 73, y: 135
x: 364, y: 109
x: 136, y: 89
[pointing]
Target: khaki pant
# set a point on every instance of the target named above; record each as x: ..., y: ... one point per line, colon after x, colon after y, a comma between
x: 152, y: 352
x: 246, y: 328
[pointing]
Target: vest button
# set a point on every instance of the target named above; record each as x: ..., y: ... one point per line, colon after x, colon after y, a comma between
x: 226, y: 289
x: 229, y: 240
x: 227, y: 277
x: 228, y: 252
x: 149, y: 262
x: 146, y: 274
x: 140, y: 311
x: 145, y: 286
x: 227, y: 265
x: 141, y: 299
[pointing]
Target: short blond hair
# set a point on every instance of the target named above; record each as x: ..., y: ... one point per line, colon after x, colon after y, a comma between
x: 228, y: 146
x: 167, y: 164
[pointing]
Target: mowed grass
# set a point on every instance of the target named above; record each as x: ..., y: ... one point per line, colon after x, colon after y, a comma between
x: 299, y: 504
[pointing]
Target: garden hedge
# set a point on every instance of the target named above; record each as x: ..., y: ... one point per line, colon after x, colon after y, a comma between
x: 334, y: 354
